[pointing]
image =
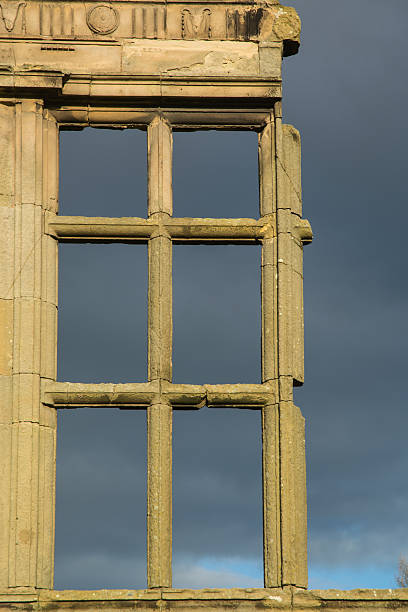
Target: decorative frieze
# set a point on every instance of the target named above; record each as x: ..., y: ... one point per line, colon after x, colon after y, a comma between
x: 103, y: 19
x: 10, y: 11
x: 196, y: 23
x: 154, y: 20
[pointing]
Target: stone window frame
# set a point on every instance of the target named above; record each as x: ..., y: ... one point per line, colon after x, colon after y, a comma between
x: 35, y: 395
x: 159, y: 395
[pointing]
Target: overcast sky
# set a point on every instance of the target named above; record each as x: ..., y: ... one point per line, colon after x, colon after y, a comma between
x: 346, y: 92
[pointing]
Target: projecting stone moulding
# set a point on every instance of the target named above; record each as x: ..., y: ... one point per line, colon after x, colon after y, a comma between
x: 155, y: 20
x: 147, y: 57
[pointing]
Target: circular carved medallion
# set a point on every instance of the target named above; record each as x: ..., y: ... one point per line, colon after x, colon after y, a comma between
x: 102, y: 19
x: 287, y: 25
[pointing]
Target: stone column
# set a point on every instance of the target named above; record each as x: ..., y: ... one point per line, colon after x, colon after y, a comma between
x: 159, y: 414
x: 28, y: 308
x: 284, y: 480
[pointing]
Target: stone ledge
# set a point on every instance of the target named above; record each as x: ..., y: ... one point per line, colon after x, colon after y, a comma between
x: 38, y: 81
x: 287, y: 598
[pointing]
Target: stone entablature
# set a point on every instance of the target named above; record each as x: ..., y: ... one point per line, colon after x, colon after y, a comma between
x: 142, y: 49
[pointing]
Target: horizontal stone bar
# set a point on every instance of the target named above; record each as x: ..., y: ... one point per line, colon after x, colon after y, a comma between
x: 215, y: 230
x: 138, y: 229
x: 75, y: 395
x: 239, y: 396
x: 122, y: 116
x: 141, y: 395
x: 100, y: 228
x: 184, y: 396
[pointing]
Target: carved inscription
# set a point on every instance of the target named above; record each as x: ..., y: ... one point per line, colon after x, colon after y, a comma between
x: 102, y: 19
x: 9, y: 12
x: 196, y: 24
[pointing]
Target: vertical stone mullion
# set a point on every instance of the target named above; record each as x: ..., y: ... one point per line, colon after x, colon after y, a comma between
x: 28, y: 433
x: 271, y: 495
x: 270, y: 413
x: 269, y: 297
x: 159, y: 152
x: 293, y: 496
x: 283, y: 224
x: 159, y: 414
x: 159, y: 502
x: 267, y: 169
x: 160, y: 309
x: 267, y: 204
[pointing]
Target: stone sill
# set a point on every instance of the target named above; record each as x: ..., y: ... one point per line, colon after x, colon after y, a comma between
x: 288, y: 598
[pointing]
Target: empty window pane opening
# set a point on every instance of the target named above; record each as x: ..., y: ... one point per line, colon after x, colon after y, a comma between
x: 216, y: 297
x: 103, y: 173
x: 217, y: 488
x: 102, y: 314
x: 215, y: 174
x: 101, y: 499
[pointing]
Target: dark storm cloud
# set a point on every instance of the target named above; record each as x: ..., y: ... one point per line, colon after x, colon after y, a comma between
x: 347, y: 95
x: 346, y: 91
x: 216, y: 314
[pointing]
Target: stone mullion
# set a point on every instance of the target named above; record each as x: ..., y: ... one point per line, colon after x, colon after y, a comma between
x: 159, y: 499
x: 27, y: 428
x: 160, y: 309
x: 160, y: 151
x: 270, y: 412
x: 159, y: 413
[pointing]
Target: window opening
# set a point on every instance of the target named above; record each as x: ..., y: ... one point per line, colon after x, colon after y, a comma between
x: 217, y: 325
x: 215, y: 174
x: 101, y: 499
x: 217, y: 299
x: 103, y: 313
x: 103, y: 173
x: 217, y: 524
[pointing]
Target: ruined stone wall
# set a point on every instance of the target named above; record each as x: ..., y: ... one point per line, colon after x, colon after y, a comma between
x: 158, y: 66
